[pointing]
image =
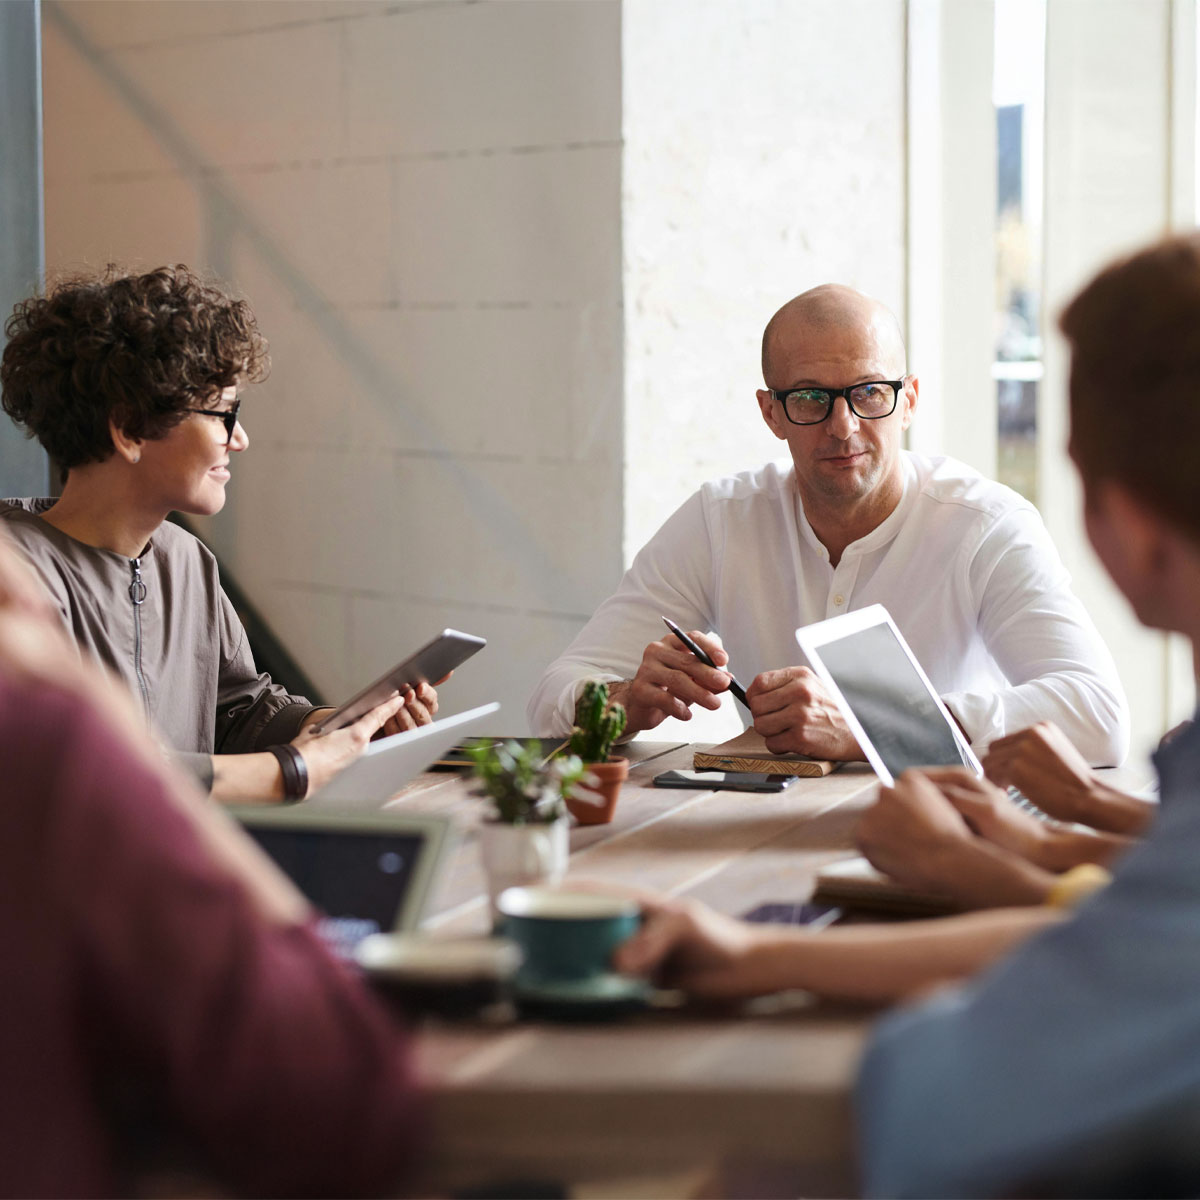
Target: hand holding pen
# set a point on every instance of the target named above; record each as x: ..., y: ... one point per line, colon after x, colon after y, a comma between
x: 735, y: 687
x: 671, y: 678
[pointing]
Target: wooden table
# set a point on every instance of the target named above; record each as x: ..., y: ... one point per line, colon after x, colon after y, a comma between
x: 761, y: 1101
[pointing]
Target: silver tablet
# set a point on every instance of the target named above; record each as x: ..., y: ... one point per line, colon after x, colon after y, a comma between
x: 429, y: 664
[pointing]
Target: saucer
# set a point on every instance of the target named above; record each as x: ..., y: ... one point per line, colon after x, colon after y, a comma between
x: 452, y: 977
x: 602, y: 997
x: 437, y: 960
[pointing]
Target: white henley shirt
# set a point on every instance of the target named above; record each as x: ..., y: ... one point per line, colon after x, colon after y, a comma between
x: 964, y: 565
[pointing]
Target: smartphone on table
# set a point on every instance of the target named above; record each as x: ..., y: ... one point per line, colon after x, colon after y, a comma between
x: 724, y: 781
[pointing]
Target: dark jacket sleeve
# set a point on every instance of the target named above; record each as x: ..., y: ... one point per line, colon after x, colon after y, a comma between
x: 275, y: 1063
x: 252, y: 712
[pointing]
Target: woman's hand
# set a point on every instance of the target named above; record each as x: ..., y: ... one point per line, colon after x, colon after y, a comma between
x: 325, y: 754
x: 931, y: 832
x: 1041, y: 764
x: 914, y: 834
x: 419, y: 706
x: 1053, y: 774
x: 991, y: 814
x: 686, y: 945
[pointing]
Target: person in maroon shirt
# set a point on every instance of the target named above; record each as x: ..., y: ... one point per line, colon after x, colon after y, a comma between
x: 159, y: 972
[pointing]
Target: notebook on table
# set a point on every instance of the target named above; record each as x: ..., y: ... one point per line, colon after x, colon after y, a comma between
x: 748, y: 752
x: 855, y: 883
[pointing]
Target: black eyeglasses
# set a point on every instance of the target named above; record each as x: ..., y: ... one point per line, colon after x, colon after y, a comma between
x: 811, y: 406
x: 229, y: 417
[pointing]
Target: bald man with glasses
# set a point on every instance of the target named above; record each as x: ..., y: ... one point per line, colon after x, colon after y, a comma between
x: 964, y: 565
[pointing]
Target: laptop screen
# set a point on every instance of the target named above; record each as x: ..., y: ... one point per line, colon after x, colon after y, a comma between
x: 359, y: 879
x: 891, y: 701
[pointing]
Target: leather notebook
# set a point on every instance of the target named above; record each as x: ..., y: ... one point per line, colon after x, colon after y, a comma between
x: 748, y: 752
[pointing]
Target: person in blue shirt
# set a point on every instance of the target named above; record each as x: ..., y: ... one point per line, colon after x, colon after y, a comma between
x: 1071, y: 1065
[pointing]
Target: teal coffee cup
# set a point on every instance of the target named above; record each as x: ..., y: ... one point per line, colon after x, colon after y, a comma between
x: 566, y: 938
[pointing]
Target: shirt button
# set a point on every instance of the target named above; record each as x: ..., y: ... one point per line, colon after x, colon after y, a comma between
x: 839, y: 600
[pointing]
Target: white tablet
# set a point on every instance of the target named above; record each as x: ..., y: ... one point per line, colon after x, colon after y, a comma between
x: 387, y: 764
x: 885, y: 697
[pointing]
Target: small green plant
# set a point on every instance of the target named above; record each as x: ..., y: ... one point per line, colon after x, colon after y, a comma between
x: 599, y: 723
x: 524, y: 787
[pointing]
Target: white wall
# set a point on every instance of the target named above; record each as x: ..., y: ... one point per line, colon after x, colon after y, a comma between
x: 423, y: 204
x: 764, y: 154
x: 950, y: 223
x: 1120, y: 137
x: 515, y: 259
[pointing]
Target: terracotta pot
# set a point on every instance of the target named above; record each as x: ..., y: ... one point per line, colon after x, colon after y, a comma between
x: 607, y: 787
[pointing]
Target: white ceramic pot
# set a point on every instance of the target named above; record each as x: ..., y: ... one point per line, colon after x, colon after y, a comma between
x: 519, y: 854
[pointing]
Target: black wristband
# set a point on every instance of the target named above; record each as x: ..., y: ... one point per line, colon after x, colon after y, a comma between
x: 294, y: 771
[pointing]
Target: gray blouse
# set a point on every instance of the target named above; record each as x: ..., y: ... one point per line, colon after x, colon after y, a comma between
x: 163, y: 624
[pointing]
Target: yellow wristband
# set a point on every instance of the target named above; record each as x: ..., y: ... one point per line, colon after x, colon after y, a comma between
x: 1073, y: 887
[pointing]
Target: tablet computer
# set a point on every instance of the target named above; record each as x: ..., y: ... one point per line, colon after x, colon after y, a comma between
x: 388, y: 763
x: 433, y: 661
x: 885, y: 697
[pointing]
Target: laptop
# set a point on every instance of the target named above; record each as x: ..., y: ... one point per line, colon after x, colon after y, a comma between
x: 366, y: 870
x: 366, y: 873
x: 884, y: 695
x: 387, y: 764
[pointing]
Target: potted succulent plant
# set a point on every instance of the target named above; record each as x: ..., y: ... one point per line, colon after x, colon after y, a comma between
x: 525, y: 841
x: 599, y: 722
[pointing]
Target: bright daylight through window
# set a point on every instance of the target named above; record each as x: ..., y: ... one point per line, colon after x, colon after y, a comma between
x: 1018, y: 92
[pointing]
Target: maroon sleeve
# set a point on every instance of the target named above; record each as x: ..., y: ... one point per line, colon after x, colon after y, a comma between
x: 272, y: 1059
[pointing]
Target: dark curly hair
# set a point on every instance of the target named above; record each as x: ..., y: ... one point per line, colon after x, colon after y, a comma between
x: 136, y: 349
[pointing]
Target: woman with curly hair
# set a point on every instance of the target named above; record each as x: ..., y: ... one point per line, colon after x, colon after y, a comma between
x: 131, y: 384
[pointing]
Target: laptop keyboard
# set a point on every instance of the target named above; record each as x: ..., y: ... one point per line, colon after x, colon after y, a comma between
x: 1026, y: 805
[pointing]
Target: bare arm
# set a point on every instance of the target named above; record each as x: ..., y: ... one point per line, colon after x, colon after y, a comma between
x: 691, y: 947
x: 1049, y: 844
x: 1042, y: 763
x: 922, y: 833
x: 1068, y: 847
x: 944, y: 831
x: 256, y: 778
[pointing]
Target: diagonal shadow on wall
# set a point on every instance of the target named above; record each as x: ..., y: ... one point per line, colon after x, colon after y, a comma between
x: 228, y: 218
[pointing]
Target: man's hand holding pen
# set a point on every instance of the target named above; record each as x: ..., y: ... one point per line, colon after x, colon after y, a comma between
x: 671, y: 679
x: 790, y: 706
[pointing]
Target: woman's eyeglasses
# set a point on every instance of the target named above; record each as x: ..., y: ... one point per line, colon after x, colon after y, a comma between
x: 229, y: 417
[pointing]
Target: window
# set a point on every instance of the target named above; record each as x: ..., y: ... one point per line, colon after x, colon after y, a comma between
x: 1018, y: 93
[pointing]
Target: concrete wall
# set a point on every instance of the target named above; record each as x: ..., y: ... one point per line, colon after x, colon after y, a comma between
x: 422, y: 202
x: 515, y: 258
x: 764, y: 154
x: 23, y: 466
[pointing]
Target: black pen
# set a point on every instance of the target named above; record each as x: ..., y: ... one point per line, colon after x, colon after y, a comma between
x: 735, y: 687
